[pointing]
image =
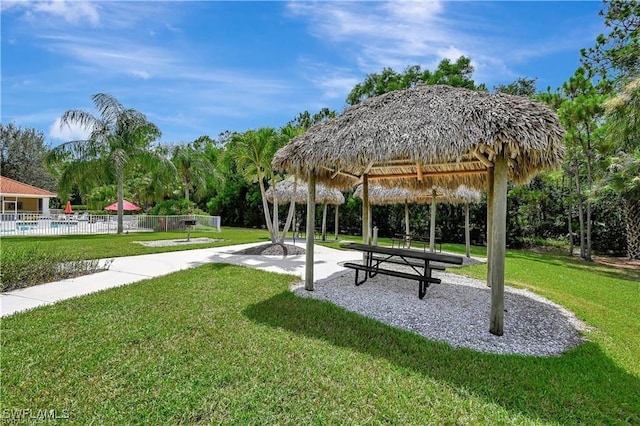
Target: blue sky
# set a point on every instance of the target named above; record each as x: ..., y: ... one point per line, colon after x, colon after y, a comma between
x: 201, y: 68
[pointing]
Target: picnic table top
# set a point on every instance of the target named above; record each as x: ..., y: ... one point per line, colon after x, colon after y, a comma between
x: 402, y: 252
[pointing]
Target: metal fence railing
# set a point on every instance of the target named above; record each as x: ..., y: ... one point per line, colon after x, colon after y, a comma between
x: 61, y: 224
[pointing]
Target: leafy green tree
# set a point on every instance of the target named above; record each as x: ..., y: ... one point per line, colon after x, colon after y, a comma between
x: 623, y: 131
x: 119, y: 139
x: 253, y: 152
x: 22, y: 156
x: 304, y: 120
x: 581, y: 114
x: 520, y: 87
x: 193, y: 168
x: 617, y: 54
x: 458, y: 74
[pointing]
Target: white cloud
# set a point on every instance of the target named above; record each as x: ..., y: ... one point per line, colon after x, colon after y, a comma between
x: 71, y: 12
x: 397, y: 33
x: 68, y: 132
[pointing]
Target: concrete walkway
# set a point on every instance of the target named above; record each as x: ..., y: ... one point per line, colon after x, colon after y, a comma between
x: 128, y: 270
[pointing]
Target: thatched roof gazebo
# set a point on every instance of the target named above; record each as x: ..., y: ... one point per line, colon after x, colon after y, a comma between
x: 291, y: 191
x: 380, y: 195
x: 429, y: 136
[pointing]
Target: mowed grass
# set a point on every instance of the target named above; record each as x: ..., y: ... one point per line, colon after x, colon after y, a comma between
x: 113, y: 245
x: 606, y: 298
x: 226, y: 344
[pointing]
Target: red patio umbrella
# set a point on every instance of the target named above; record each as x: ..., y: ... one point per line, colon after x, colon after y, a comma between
x: 126, y: 206
x: 68, y: 209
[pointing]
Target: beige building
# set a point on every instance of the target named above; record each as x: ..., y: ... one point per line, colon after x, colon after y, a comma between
x: 17, y: 197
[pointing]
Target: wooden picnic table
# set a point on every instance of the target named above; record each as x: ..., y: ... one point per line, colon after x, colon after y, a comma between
x: 418, y: 261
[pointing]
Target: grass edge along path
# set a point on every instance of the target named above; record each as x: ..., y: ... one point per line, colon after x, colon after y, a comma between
x: 222, y: 343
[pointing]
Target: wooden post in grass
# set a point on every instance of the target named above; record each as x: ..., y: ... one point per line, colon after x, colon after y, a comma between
x: 406, y: 217
x: 311, y: 220
x: 489, y: 221
x: 466, y: 229
x: 324, y: 222
x: 432, y: 230
x: 336, y: 222
x: 365, y: 212
x: 498, y: 243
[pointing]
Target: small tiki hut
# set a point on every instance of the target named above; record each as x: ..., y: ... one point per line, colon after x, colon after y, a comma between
x: 380, y: 195
x: 292, y: 191
x: 431, y: 136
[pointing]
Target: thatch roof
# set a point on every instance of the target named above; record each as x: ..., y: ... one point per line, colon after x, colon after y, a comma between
x: 426, y: 136
x: 379, y: 195
x: 286, y: 193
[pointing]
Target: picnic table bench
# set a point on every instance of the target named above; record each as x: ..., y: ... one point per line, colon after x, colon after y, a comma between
x: 407, y: 240
x: 419, y: 262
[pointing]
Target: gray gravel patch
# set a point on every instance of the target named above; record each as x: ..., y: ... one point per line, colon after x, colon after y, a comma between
x: 166, y: 243
x: 457, y: 312
x: 270, y: 249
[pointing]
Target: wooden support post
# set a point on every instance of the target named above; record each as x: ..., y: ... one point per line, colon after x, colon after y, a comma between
x: 324, y: 222
x: 490, y: 174
x: 498, y: 244
x: 336, y: 222
x: 466, y: 229
x: 365, y: 212
x: 311, y: 221
x: 432, y: 227
x: 406, y: 217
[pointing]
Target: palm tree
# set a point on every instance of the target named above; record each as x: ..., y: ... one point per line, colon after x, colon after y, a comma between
x: 287, y: 133
x: 254, y: 151
x: 193, y: 168
x: 119, y: 138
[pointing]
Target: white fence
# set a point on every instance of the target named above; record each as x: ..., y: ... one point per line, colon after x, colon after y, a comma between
x: 37, y: 224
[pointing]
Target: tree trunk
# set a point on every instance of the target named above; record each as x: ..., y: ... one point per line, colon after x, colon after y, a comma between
x: 287, y: 225
x: 290, y: 216
x: 583, y: 251
x: 632, y: 217
x: 267, y: 214
x: 570, y: 229
x: 590, y: 186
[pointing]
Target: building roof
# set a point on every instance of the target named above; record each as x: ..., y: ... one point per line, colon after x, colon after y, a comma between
x: 13, y: 187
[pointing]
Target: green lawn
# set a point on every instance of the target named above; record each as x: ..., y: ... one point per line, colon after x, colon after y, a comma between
x: 226, y: 344
x: 104, y: 246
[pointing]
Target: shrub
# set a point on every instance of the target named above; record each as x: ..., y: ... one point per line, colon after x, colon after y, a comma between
x: 25, y: 267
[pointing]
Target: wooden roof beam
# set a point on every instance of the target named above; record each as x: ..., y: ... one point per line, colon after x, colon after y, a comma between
x: 429, y: 174
x: 484, y: 160
x: 340, y: 172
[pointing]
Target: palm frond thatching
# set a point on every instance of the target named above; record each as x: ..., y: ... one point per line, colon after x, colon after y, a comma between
x: 427, y: 136
x: 286, y: 193
x: 380, y: 195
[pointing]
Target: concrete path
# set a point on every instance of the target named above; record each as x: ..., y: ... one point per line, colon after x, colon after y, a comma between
x: 128, y: 270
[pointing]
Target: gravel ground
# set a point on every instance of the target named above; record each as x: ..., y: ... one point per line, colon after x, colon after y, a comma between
x: 457, y: 312
x: 272, y: 250
x: 165, y: 243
